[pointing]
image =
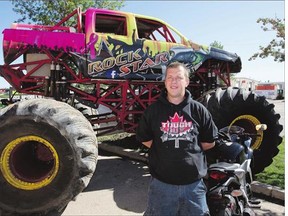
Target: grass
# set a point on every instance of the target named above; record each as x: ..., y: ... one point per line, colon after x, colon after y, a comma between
x: 275, y: 173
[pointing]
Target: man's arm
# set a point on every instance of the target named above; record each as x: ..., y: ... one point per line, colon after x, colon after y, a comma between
x: 147, y: 143
x: 206, y: 146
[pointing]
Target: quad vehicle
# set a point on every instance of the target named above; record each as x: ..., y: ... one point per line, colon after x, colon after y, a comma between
x: 108, y: 59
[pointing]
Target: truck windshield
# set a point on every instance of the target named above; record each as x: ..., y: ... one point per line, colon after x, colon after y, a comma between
x: 154, y: 30
x: 111, y: 24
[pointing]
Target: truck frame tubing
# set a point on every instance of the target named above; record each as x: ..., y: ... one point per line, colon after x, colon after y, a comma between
x: 126, y: 99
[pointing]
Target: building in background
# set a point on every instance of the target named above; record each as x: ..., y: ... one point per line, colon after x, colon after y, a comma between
x: 271, y: 90
x: 244, y: 83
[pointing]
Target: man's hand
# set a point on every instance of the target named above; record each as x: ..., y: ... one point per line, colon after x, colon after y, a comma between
x: 147, y: 143
x: 206, y: 146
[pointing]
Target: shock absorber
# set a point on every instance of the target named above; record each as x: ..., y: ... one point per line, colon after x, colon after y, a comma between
x: 57, y: 81
x: 213, y: 80
x: 63, y: 87
x: 52, y: 79
x: 46, y: 86
x: 209, y: 85
x: 204, y: 88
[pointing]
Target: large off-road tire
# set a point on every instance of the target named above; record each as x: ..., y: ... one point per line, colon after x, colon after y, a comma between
x: 48, y: 155
x: 88, y: 112
x: 234, y: 106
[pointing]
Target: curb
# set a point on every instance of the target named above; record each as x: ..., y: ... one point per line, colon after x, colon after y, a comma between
x: 270, y: 191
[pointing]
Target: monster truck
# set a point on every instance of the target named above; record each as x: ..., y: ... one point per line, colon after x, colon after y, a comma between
x: 111, y: 59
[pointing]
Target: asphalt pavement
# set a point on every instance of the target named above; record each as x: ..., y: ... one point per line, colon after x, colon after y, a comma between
x: 118, y: 187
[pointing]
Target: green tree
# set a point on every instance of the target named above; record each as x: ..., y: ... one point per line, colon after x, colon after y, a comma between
x: 217, y: 44
x: 276, y: 47
x: 48, y: 12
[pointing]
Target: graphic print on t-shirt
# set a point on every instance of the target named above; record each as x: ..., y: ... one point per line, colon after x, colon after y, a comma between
x: 177, y: 128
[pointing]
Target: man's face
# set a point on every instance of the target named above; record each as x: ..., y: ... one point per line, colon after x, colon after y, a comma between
x: 176, y: 82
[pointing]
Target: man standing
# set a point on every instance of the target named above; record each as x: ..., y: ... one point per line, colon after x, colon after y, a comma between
x: 177, y: 130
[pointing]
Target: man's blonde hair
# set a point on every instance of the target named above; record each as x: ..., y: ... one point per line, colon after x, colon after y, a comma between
x: 176, y: 65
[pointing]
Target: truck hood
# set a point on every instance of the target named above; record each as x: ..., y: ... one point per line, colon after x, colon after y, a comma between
x: 195, y: 58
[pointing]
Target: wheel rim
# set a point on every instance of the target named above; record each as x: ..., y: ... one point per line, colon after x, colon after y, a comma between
x: 248, y: 122
x: 29, y: 162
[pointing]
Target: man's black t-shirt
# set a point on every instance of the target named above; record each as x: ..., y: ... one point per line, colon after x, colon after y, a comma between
x: 176, y: 156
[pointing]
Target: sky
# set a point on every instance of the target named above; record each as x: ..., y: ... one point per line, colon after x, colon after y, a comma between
x: 232, y: 23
